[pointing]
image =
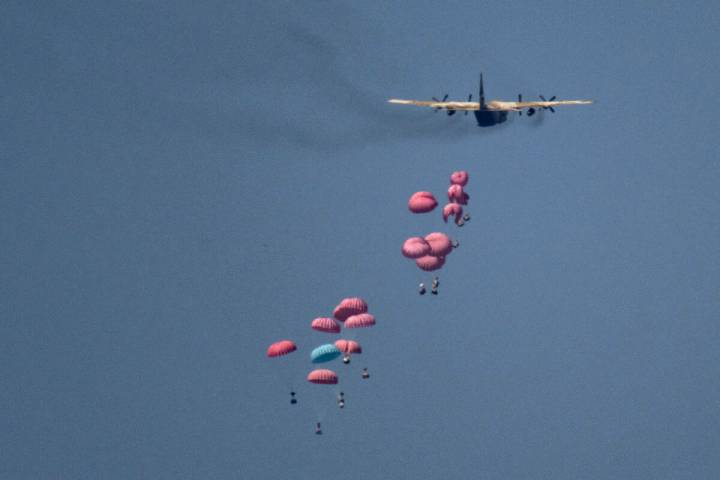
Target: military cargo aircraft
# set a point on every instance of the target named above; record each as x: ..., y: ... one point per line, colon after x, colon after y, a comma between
x: 491, y: 112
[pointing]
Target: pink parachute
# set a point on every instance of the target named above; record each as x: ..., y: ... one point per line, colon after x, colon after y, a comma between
x: 415, y: 247
x: 324, y: 324
x: 349, y: 306
x: 348, y: 346
x: 359, y: 321
x: 283, y: 347
x: 440, y: 244
x: 430, y: 263
x: 459, y: 178
x: 452, y: 209
x: 457, y: 195
x: 422, y: 202
x: 323, y: 376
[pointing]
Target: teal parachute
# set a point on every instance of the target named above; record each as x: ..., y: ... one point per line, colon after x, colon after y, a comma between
x: 325, y: 353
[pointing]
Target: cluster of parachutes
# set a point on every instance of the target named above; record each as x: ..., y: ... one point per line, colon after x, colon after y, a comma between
x: 350, y: 313
x: 457, y: 197
x: 424, y: 202
x: 429, y: 252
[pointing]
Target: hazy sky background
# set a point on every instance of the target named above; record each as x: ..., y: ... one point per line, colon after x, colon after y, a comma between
x: 182, y: 184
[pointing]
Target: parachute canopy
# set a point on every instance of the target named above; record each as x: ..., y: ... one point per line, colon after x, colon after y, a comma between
x: 349, y: 306
x: 323, y: 376
x: 440, y: 244
x: 415, y: 247
x: 452, y: 209
x: 360, y: 320
x: 456, y: 194
x: 459, y: 178
x: 430, y: 263
x: 324, y: 353
x: 348, y: 346
x: 422, y: 202
x: 324, y: 324
x: 283, y: 347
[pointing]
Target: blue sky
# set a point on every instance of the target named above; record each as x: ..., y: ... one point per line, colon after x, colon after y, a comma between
x: 184, y: 184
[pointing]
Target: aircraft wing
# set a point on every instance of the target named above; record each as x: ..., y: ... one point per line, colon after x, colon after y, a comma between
x: 440, y: 105
x: 521, y: 105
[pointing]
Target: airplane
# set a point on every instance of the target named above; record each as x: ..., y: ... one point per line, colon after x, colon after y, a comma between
x: 493, y: 112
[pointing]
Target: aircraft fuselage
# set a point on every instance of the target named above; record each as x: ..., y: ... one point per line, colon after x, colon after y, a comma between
x: 488, y: 118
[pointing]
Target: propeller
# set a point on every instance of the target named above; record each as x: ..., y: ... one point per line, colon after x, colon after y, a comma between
x: 469, y: 100
x: 436, y: 100
x: 551, y: 99
x: 520, y: 110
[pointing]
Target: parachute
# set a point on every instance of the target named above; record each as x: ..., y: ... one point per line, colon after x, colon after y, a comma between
x: 430, y: 263
x: 283, y: 347
x: 349, y: 306
x: 360, y: 321
x: 452, y: 209
x: 459, y: 178
x: 324, y: 324
x: 348, y: 346
x: 322, y: 376
x: 324, y: 353
x: 415, y: 247
x: 440, y: 244
x: 422, y: 202
x: 456, y: 194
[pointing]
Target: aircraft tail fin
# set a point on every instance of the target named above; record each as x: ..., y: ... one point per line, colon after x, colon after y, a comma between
x: 482, y: 93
